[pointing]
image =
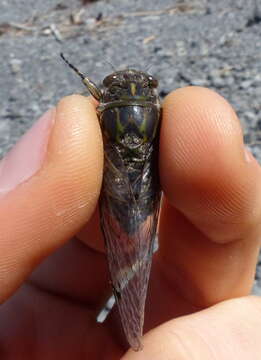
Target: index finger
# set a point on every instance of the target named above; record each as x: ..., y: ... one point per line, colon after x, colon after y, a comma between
x: 210, y: 221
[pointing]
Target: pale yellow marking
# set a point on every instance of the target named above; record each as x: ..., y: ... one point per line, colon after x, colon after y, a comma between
x: 133, y: 89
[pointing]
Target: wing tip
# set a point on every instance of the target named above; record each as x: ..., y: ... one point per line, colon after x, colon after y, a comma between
x: 136, y: 344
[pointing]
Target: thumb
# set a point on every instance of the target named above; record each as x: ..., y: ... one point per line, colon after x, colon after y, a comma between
x: 49, y: 186
x: 228, y: 330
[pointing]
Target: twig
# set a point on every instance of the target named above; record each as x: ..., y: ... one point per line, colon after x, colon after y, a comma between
x: 76, y: 17
x: 151, y: 13
x: 56, y: 33
x: 148, y: 39
x: 21, y: 27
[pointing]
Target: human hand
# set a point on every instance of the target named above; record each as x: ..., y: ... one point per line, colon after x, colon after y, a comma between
x: 209, y: 229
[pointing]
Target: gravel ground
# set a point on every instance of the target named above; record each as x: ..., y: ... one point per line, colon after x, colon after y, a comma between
x: 210, y: 43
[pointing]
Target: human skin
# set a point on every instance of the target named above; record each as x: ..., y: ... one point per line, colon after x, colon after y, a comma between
x: 53, y: 272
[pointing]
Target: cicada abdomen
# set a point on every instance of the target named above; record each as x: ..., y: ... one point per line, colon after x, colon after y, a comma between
x: 129, y: 114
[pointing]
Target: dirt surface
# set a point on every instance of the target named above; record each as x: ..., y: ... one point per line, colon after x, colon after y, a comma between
x: 216, y: 44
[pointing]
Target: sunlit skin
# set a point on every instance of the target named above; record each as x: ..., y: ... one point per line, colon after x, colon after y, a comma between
x: 209, y: 232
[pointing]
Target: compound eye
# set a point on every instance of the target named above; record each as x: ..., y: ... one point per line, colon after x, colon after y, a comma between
x: 114, y: 89
x: 109, y: 79
x: 152, y: 82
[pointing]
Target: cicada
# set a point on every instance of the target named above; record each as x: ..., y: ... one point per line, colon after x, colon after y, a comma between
x: 129, y: 114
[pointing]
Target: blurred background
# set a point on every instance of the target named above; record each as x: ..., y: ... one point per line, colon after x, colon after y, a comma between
x: 210, y: 43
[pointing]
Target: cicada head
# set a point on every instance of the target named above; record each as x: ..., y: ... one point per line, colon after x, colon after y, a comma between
x: 130, y: 85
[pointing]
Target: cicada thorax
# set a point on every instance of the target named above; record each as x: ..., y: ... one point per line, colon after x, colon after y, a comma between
x: 130, y: 151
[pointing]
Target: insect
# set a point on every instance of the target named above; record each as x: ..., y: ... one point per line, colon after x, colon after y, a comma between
x: 129, y: 115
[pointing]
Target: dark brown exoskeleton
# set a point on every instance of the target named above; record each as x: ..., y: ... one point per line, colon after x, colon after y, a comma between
x: 129, y: 114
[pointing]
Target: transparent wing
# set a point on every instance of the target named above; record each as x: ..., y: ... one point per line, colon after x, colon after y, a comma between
x: 129, y: 224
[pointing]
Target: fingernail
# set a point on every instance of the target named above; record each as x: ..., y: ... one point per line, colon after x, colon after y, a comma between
x: 27, y: 156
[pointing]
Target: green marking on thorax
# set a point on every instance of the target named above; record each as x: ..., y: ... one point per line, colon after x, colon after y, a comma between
x: 119, y: 127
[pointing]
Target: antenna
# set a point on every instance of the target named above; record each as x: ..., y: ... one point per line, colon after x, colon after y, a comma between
x: 94, y: 90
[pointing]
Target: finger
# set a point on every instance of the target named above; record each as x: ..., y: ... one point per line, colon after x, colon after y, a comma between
x: 76, y: 272
x: 210, y: 222
x: 205, y: 172
x: 49, y: 184
x: 229, y: 330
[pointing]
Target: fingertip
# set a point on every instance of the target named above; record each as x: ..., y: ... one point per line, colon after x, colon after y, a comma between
x: 204, y: 172
x: 72, y: 171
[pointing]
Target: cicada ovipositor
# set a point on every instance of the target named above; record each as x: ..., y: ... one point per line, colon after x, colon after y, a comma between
x: 129, y: 115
